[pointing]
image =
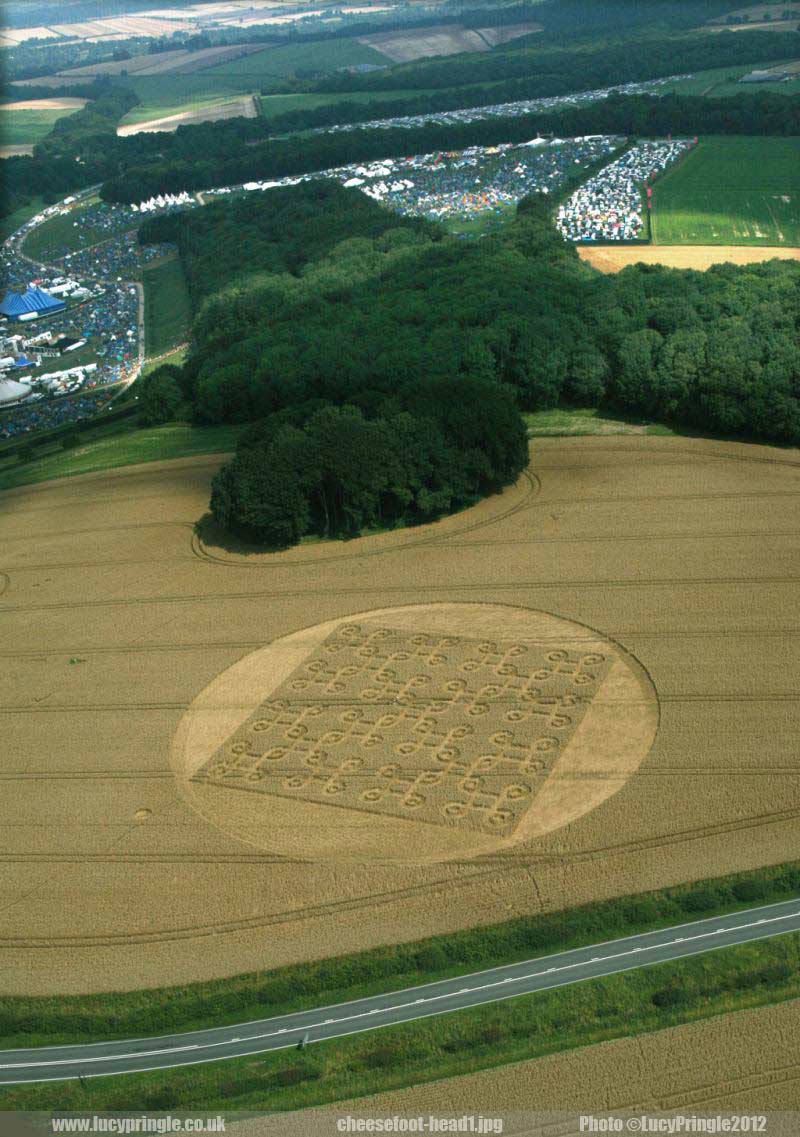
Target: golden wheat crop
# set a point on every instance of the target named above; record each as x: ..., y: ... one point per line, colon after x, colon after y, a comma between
x: 134, y: 650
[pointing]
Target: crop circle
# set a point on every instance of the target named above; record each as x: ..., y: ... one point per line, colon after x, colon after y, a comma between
x: 420, y: 733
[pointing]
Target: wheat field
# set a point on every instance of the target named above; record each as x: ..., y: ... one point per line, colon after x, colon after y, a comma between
x: 643, y: 589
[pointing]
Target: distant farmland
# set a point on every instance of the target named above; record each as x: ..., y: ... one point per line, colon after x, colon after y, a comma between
x: 23, y: 124
x: 171, y: 94
x: 731, y: 191
x: 419, y: 43
x: 203, y: 111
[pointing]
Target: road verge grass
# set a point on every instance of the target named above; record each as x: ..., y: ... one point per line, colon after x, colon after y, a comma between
x: 529, y: 1026
x: 35, y: 1020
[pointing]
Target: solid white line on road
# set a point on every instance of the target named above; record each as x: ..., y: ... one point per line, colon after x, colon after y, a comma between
x: 403, y: 1006
x: 287, y: 1045
x: 435, y: 983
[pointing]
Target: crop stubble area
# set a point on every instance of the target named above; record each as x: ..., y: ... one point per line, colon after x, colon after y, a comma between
x: 218, y: 761
x: 610, y: 258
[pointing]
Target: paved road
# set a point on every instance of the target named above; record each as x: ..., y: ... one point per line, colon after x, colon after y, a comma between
x: 56, y: 1063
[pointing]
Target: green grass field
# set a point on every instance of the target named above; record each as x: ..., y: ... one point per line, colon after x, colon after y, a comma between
x: 276, y: 63
x: 272, y: 105
x: 727, y: 89
x: 722, y: 82
x: 27, y: 127
x: 162, y: 95
x: 146, y: 111
x: 12, y: 222
x: 177, y: 101
x: 573, y: 421
x: 114, y: 445
x: 167, y: 313
x: 731, y: 191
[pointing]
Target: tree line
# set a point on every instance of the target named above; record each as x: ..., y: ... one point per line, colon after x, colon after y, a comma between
x: 386, y: 362
x: 555, y: 73
x: 225, y: 161
x: 555, y: 69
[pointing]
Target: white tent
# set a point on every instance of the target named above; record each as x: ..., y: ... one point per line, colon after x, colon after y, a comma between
x: 12, y: 392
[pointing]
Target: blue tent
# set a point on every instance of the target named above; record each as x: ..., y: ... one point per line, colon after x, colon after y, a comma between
x: 34, y: 299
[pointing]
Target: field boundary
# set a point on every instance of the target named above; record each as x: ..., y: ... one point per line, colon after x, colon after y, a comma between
x: 35, y: 1020
x: 627, y: 1004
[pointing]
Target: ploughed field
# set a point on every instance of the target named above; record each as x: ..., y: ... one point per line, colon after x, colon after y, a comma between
x: 219, y: 760
x: 731, y: 191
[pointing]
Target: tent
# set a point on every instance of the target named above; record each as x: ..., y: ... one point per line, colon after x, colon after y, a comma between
x: 12, y: 392
x: 33, y: 301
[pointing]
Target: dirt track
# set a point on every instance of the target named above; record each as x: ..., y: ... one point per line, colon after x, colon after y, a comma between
x: 680, y: 553
x: 612, y: 259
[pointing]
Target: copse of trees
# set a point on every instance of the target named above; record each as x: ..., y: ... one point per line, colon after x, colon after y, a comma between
x: 341, y: 472
x: 384, y: 361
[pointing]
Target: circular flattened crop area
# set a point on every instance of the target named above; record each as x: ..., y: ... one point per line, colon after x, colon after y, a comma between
x: 416, y: 733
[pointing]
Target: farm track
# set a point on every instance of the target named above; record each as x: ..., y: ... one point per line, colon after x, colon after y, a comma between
x: 452, y: 542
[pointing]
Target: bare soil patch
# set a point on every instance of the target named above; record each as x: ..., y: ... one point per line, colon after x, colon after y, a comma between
x: 678, y: 553
x: 610, y: 258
